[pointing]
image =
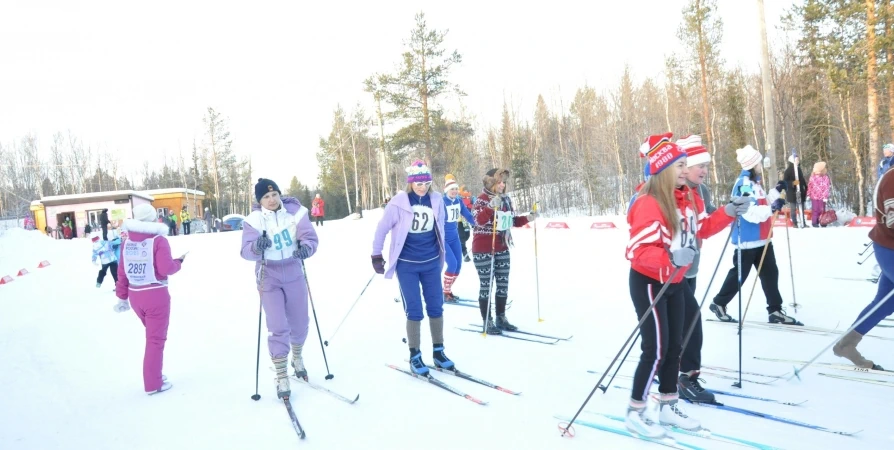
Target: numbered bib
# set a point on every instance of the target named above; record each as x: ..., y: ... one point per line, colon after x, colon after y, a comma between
x: 283, y: 237
x: 140, y: 262
x: 453, y: 213
x: 504, y: 220
x: 423, y: 219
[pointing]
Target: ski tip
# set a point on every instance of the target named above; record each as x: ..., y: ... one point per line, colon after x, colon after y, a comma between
x: 480, y: 402
x: 355, y: 399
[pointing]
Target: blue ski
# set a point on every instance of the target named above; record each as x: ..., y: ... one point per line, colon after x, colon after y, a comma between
x: 734, y: 394
x: 706, y: 434
x: 776, y: 418
x: 667, y: 441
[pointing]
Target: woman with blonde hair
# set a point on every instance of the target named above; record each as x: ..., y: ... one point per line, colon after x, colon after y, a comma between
x: 819, y: 189
x: 664, y: 228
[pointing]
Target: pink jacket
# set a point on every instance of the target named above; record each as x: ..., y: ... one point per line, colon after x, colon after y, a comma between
x: 165, y: 265
x: 819, y: 187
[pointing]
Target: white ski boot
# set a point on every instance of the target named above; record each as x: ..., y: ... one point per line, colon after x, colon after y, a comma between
x: 164, y: 387
x: 298, y: 361
x: 637, y: 422
x: 672, y: 413
x: 283, y: 389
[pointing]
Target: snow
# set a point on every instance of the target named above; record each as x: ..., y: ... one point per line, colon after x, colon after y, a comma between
x: 72, y: 373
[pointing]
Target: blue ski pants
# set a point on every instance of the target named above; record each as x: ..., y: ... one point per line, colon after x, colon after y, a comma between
x: 885, y: 257
x: 411, y: 276
x: 454, y: 255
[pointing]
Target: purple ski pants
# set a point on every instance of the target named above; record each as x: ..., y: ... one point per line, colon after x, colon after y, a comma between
x: 284, y: 298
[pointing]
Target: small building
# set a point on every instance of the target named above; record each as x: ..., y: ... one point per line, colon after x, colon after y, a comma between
x: 82, y: 209
x: 166, y: 201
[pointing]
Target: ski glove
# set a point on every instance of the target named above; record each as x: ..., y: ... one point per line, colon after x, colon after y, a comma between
x: 303, y: 252
x: 682, y: 257
x: 122, y: 306
x: 378, y: 264
x: 496, y: 202
x: 532, y: 216
x: 262, y: 244
x: 737, y: 206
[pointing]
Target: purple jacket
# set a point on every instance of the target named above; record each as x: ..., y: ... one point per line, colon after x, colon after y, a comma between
x: 397, y: 219
x: 285, y: 227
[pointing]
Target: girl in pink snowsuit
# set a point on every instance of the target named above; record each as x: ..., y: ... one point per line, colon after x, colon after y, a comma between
x: 278, y: 235
x: 143, y: 272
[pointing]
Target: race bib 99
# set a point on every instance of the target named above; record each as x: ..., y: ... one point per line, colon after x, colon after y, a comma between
x: 423, y: 219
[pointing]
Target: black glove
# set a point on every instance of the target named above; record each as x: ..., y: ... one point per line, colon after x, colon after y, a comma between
x: 262, y: 244
x: 378, y: 264
x: 303, y: 252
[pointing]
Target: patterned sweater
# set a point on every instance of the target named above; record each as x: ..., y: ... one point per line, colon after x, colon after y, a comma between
x: 482, y: 233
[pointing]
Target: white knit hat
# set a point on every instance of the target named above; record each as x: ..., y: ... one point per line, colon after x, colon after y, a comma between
x: 450, y: 182
x: 748, y: 157
x: 145, y: 213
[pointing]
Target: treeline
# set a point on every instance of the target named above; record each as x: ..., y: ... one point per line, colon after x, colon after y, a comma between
x: 832, y: 95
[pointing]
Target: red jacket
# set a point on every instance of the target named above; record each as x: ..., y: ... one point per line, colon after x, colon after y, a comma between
x: 318, y: 203
x: 482, y: 233
x: 650, y: 242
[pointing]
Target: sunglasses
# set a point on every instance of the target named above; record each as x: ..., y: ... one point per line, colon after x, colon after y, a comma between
x: 422, y: 184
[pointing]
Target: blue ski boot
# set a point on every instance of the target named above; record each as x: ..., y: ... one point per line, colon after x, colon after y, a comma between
x: 441, y: 360
x: 416, y: 365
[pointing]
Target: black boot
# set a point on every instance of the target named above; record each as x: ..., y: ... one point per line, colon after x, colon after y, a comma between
x: 504, y: 324
x: 690, y: 389
x: 491, y: 328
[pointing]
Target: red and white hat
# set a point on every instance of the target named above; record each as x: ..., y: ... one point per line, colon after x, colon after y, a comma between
x: 748, y: 157
x: 696, y: 153
x: 661, y: 152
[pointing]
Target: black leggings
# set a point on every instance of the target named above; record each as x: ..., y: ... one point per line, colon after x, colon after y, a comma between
x: 692, y: 353
x: 500, y: 275
x: 769, y: 276
x: 662, y: 334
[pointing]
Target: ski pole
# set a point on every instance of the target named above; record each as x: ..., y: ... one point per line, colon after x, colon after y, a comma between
x: 738, y: 384
x: 329, y: 375
x: 867, y: 257
x: 797, y: 372
x: 705, y: 297
x: 257, y: 396
x: 537, y: 270
x: 865, y: 249
x: 759, y: 267
x: 326, y: 343
x: 491, y: 276
x: 617, y: 369
x: 791, y: 269
x: 620, y: 350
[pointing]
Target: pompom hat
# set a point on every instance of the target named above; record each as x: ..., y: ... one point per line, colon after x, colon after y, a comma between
x: 418, y: 172
x: 450, y: 182
x: 661, y: 153
x: 748, y: 157
x: 696, y: 153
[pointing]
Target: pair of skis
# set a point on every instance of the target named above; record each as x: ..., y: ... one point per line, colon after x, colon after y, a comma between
x: 543, y: 338
x: 468, y: 303
x: 432, y: 380
x: 291, y: 411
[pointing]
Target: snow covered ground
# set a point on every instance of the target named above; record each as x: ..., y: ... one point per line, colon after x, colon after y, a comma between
x: 71, y: 373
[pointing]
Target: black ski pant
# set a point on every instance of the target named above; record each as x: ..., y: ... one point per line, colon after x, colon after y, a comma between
x: 691, y: 360
x: 769, y: 275
x: 102, y: 272
x: 185, y: 227
x: 500, y: 275
x: 105, y: 232
x: 662, y: 334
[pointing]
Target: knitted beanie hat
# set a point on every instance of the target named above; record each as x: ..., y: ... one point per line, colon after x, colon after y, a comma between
x: 748, y: 157
x: 263, y: 187
x: 144, y: 213
x: 696, y: 153
x: 450, y: 183
x: 819, y: 167
x: 661, y: 152
x: 418, y: 172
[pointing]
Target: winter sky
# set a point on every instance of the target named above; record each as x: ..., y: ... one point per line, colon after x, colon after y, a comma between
x: 136, y: 78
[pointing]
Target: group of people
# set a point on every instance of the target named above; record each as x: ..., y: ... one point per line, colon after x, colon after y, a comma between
x: 798, y: 189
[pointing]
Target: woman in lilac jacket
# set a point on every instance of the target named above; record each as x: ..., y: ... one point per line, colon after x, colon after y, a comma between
x: 277, y: 235
x: 145, y: 265
x: 415, y: 219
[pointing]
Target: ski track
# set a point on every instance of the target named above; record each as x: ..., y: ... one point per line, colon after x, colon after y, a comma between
x: 72, y: 373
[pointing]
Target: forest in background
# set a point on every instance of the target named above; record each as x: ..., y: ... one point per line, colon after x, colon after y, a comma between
x: 832, y: 94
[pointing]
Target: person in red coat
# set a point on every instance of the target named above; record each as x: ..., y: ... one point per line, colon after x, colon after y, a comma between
x: 318, y: 209
x: 490, y: 246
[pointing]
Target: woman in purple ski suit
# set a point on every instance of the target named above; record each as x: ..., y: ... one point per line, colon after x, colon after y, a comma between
x: 278, y: 235
x: 415, y: 218
x: 143, y: 270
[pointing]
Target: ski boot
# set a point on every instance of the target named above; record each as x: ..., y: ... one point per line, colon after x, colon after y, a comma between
x: 441, y: 360
x: 491, y: 328
x: 503, y: 324
x: 98, y: 285
x: 298, y: 362
x: 282, y: 377
x: 416, y: 365
x: 720, y: 312
x: 672, y: 413
x: 690, y: 389
x: 164, y: 387
x: 450, y: 298
x: 847, y: 348
x: 781, y: 317
x: 637, y: 422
